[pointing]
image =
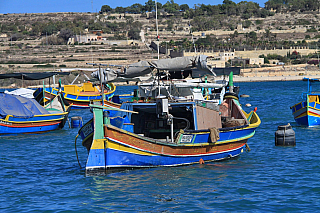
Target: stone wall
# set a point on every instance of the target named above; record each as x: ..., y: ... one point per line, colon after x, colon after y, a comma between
x: 256, y: 53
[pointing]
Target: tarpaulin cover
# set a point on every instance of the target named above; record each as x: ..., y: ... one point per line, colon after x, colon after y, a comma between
x: 32, y: 76
x: 227, y: 71
x: 20, y: 107
x: 182, y: 63
x: 142, y: 68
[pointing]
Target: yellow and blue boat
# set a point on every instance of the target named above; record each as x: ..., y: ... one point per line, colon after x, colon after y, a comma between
x: 160, y: 133
x: 78, y: 96
x: 23, y: 115
x: 307, y: 112
x: 169, y: 123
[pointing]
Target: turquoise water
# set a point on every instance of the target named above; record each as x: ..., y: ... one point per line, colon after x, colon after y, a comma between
x: 40, y: 173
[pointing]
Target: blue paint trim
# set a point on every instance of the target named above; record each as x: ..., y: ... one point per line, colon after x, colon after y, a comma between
x: 125, y: 159
x: 5, y: 130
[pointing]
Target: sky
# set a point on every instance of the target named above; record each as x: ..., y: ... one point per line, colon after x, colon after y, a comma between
x: 51, y: 6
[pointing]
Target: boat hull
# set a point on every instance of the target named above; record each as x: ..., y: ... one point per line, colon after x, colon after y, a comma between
x: 306, y: 114
x: 35, y: 125
x: 78, y: 100
x: 113, y: 147
x: 124, y: 150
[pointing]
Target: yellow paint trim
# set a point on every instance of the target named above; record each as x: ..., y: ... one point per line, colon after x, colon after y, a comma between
x: 23, y: 122
x: 58, y: 119
x: 302, y: 115
x: 113, y: 89
x: 116, y: 146
x: 98, y: 144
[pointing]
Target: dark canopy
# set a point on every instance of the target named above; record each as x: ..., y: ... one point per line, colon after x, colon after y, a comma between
x: 227, y: 70
x: 32, y: 76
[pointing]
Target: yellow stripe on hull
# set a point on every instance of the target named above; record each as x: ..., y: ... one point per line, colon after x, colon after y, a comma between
x: 100, y: 144
x: 302, y: 115
x: 116, y: 146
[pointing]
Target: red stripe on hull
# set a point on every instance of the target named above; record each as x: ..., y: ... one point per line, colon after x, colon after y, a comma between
x: 32, y: 125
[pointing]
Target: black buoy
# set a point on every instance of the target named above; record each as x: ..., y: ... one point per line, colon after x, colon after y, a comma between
x: 285, y: 136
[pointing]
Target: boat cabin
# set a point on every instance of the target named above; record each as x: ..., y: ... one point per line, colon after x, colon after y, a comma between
x: 87, y: 87
x: 156, y: 119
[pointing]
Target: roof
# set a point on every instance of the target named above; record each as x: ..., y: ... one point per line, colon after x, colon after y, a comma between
x: 32, y: 76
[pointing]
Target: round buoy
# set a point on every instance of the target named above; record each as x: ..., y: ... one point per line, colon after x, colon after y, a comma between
x: 248, y: 105
x: 244, y: 96
x: 285, y: 136
x: 76, y: 122
x: 201, y: 161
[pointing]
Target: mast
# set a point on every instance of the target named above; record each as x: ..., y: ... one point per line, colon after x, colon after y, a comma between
x: 158, y: 39
x: 101, y: 85
x: 194, y: 45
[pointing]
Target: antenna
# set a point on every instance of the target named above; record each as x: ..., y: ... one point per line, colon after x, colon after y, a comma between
x: 92, y: 6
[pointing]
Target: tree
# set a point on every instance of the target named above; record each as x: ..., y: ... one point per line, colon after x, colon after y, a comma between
x: 120, y: 10
x: 49, y: 29
x: 228, y: 7
x: 150, y: 6
x: 184, y: 7
x: 106, y: 8
x: 65, y: 34
x: 136, y: 8
x: 134, y: 34
x: 171, y: 7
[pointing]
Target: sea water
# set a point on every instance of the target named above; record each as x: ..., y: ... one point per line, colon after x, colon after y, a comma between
x: 40, y: 172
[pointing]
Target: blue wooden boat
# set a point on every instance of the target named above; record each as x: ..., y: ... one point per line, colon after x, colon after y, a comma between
x: 307, y: 112
x: 154, y: 134
x: 23, y: 115
x: 169, y: 123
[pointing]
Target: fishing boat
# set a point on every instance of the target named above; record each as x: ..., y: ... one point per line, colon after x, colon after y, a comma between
x: 24, y: 115
x: 307, y: 112
x: 78, y: 96
x: 24, y: 92
x: 163, y: 131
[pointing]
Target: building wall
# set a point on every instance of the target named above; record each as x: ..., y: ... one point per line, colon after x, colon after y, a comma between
x: 216, y: 63
x: 256, y: 53
x: 258, y: 61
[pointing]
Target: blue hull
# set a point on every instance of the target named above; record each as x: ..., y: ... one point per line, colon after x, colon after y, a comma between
x: 6, y: 130
x: 308, y: 115
x: 132, y: 160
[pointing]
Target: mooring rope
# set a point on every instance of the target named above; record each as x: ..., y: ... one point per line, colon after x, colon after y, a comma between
x: 247, y: 148
x: 75, y: 146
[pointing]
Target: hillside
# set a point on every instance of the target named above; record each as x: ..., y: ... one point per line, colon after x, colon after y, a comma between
x: 26, y: 45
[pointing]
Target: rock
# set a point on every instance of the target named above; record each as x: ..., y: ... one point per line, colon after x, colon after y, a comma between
x: 244, y: 96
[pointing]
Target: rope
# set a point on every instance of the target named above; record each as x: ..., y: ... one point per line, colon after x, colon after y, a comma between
x: 247, y: 148
x: 75, y: 146
x: 187, y: 127
x: 69, y: 123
